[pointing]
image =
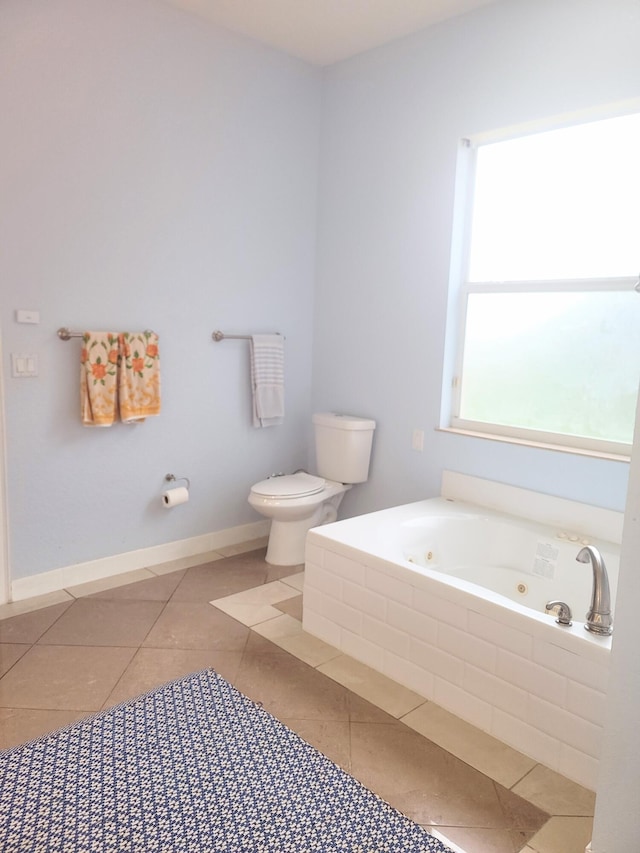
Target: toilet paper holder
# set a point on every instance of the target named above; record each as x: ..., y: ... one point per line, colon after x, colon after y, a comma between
x: 171, y: 478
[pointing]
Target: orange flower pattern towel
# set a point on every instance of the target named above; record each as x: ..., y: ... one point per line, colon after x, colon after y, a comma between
x: 119, y: 370
x: 98, y: 378
x: 139, y: 376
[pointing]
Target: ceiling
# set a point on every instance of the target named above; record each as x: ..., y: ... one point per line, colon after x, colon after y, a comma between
x: 326, y: 31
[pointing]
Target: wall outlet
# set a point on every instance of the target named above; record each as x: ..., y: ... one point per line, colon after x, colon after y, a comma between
x: 417, y: 440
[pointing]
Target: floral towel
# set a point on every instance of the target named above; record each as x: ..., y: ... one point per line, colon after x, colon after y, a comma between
x: 139, y: 376
x: 98, y: 378
x: 119, y: 370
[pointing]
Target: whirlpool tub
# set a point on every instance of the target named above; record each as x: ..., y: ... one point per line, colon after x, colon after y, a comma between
x: 447, y: 598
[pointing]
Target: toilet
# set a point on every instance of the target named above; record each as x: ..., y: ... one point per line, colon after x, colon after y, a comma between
x: 297, y: 502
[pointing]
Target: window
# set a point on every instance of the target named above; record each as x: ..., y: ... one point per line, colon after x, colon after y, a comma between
x: 549, y: 348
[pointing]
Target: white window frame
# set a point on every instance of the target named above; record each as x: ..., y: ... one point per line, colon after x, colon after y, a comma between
x: 563, y: 440
x: 460, y: 278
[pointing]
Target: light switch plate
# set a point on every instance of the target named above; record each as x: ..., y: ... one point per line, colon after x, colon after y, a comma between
x: 24, y: 366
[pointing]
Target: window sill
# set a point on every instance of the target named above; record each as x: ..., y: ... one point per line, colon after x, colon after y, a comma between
x: 579, y: 451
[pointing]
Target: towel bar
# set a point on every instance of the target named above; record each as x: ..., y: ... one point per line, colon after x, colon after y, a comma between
x: 66, y: 334
x: 220, y: 336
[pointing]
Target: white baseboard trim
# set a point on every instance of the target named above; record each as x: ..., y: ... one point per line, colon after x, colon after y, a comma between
x: 144, y: 558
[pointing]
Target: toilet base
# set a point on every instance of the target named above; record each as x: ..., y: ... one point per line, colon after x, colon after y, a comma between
x: 287, y: 539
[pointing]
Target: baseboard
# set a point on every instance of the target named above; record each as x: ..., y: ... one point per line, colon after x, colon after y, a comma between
x: 128, y: 561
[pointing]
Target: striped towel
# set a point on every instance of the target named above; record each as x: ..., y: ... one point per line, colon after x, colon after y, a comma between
x: 267, y: 379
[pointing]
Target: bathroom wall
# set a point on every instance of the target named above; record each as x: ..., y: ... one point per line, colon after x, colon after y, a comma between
x: 391, y: 125
x: 155, y: 172
x: 158, y: 172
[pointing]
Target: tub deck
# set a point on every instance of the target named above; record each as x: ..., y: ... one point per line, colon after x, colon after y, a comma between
x: 503, y: 667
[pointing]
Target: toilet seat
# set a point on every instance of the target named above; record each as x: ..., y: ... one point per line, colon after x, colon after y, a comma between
x: 300, y: 485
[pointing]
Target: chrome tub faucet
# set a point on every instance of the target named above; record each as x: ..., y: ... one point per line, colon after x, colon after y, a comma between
x: 599, y: 619
x: 563, y: 612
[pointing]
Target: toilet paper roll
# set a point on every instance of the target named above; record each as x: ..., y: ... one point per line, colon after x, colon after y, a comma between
x: 173, y: 497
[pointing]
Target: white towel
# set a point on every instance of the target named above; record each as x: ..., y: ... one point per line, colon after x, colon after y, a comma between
x: 267, y: 379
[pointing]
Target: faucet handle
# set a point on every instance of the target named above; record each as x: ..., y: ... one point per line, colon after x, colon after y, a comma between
x: 564, y: 612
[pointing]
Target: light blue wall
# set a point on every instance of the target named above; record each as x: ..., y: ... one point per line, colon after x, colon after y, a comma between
x: 158, y: 172
x: 391, y: 126
x: 154, y: 173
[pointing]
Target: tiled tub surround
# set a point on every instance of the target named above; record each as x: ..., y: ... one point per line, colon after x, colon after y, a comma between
x: 508, y: 670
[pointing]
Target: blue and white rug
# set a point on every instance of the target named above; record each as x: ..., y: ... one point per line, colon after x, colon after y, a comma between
x: 192, y: 767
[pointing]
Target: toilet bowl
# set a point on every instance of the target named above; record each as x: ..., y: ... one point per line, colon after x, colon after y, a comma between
x: 297, y: 502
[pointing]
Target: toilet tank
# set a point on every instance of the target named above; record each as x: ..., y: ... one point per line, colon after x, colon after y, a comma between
x: 343, y: 447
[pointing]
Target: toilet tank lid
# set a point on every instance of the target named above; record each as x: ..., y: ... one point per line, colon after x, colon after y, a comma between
x: 298, y: 485
x: 338, y: 421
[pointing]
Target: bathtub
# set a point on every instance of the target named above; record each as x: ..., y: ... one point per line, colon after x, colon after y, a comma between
x: 447, y: 598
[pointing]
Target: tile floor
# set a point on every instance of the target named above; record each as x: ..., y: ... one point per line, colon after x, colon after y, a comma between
x: 78, y: 651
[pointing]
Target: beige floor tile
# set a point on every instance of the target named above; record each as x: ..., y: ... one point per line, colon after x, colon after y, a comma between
x: 288, y: 687
x: 248, y: 614
x: 277, y: 573
x: 150, y: 668
x: 112, y: 582
x: 296, y: 580
x: 371, y: 685
x: 19, y: 725
x: 10, y: 653
x: 556, y: 794
x: 430, y: 785
x: 363, y: 711
x: 331, y: 738
x: 225, y: 663
x: 245, y: 547
x: 519, y: 812
x: 253, y: 606
x: 292, y: 607
x: 30, y: 626
x: 281, y: 626
x: 430, y: 830
x: 462, y: 839
x: 563, y: 835
x: 437, y: 833
x: 480, y: 750
x: 184, y: 563
x: 219, y: 579
x: 187, y: 625
x: 286, y: 632
x: 100, y: 622
x: 64, y: 677
x: 154, y: 588
x: 36, y: 602
x: 257, y: 645
x: 268, y: 593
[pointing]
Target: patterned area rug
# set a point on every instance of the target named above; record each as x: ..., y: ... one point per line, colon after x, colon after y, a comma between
x: 192, y: 767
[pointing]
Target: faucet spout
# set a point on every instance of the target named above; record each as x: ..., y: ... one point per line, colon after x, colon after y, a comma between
x: 599, y: 619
